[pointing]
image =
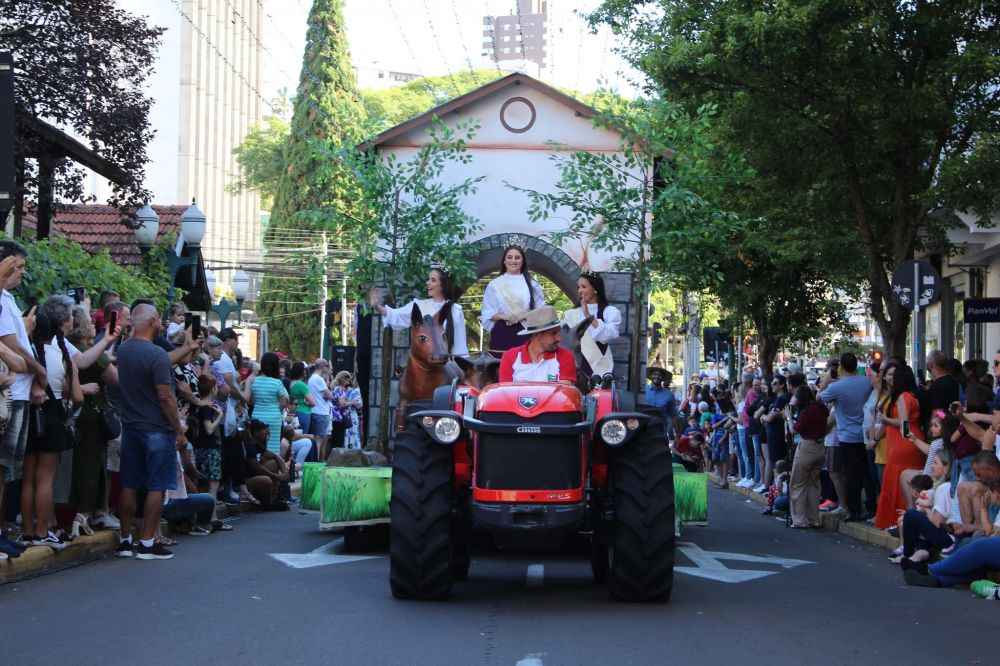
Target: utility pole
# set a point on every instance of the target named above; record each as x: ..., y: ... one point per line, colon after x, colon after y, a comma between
x: 324, y: 339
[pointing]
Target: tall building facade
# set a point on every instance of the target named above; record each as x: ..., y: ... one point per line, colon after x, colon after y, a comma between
x: 528, y: 38
x: 218, y: 103
x: 205, y: 89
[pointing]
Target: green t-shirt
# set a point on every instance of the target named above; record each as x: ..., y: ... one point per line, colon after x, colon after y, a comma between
x: 299, y: 391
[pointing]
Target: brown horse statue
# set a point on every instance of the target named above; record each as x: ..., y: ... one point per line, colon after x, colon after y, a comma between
x: 427, y: 367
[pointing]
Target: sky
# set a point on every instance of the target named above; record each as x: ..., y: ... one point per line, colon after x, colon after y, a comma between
x: 435, y: 37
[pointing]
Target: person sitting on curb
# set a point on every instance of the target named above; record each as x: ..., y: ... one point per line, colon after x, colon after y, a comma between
x: 267, y: 475
x: 967, y: 504
x: 971, y: 562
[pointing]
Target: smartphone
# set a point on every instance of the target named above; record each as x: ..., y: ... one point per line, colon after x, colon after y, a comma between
x: 905, y: 428
x: 113, y: 322
x: 187, y: 320
x: 77, y: 294
x: 195, y: 326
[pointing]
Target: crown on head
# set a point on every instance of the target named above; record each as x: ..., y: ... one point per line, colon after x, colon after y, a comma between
x: 516, y: 242
x: 590, y: 275
x: 437, y: 265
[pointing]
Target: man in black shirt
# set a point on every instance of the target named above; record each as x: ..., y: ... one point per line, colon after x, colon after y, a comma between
x: 942, y: 390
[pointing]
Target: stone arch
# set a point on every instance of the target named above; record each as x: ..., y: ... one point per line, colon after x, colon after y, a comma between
x: 544, y: 258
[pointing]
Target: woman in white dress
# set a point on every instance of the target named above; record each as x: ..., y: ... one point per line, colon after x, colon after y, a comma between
x: 603, y: 328
x: 440, y: 292
x: 508, y: 298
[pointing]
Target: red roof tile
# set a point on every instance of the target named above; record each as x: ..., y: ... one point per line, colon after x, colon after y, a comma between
x: 96, y: 227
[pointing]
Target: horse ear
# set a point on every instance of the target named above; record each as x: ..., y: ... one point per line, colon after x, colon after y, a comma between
x: 465, y: 364
x: 416, y: 318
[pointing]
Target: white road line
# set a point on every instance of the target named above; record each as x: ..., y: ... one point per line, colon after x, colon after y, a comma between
x: 534, y: 659
x: 535, y: 578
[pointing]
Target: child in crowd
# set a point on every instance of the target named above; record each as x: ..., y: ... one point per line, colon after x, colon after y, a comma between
x: 922, y: 487
x: 777, y: 494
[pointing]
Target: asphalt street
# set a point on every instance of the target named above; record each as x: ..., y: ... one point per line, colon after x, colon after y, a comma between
x: 747, y: 591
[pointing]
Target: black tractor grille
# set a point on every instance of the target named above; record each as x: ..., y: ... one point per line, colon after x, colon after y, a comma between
x: 528, y: 462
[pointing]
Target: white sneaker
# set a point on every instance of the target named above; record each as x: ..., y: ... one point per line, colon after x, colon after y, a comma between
x: 760, y: 489
x: 105, y: 521
x: 748, y: 483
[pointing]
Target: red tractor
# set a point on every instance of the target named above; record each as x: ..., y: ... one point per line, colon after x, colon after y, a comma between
x: 532, y: 464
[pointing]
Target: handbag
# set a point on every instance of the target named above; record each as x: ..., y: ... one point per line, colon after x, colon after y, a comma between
x: 6, y: 402
x: 109, y: 424
x: 55, y: 410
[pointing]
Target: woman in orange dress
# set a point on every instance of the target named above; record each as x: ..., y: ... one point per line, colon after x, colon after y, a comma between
x: 902, y: 453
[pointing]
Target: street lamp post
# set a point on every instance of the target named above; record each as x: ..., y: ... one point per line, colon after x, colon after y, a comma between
x: 192, y: 232
x: 225, y: 307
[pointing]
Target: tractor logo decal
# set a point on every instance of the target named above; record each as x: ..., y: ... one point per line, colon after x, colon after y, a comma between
x: 527, y: 401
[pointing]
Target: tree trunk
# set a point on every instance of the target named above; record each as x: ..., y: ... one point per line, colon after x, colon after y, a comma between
x: 767, y: 348
x: 385, y: 388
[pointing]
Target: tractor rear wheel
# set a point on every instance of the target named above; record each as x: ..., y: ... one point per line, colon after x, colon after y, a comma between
x: 641, y: 543
x: 420, y: 548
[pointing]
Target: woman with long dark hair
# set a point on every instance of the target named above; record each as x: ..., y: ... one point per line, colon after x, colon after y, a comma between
x: 440, y: 298
x: 605, y: 322
x: 804, y: 485
x: 902, y: 454
x: 269, y: 398
x: 47, y: 435
x: 508, y: 298
x: 299, y: 390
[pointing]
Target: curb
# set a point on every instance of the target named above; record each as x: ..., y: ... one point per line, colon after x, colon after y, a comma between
x: 39, y: 559
x: 859, y: 531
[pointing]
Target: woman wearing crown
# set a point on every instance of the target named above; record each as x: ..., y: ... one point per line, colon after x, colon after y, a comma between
x: 441, y: 293
x: 603, y: 326
x: 508, y: 298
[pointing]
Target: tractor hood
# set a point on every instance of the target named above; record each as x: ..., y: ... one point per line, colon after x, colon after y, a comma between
x: 530, y: 399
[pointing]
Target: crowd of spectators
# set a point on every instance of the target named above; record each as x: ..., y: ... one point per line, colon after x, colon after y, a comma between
x: 867, y: 443
x: 111, y: 408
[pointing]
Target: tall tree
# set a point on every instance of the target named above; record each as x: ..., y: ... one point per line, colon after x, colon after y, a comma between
x: 81, y: 65
x: 888, y: 111
x: 327, y: 112
x: 408, y: 217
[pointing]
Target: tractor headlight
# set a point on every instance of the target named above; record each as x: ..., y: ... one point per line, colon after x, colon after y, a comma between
x: 447, y: 430
x: 613, y: 432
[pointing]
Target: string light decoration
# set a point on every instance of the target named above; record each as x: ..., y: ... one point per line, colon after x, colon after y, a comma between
x: 520, y: 34
x: 465, y: 47
x: 444, y: 58
x: 493, y: 38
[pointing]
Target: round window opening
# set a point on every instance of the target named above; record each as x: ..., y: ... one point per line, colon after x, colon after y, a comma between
x: 517, y: 115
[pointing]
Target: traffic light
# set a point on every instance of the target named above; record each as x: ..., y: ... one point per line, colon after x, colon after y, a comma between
x: 712, y: 336
x: 331, y: 313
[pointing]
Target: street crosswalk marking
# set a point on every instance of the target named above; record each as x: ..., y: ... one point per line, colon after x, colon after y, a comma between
x: 535, y: 576
x: 326, y: 554
x: 709, y: 566
x: 534, y: 659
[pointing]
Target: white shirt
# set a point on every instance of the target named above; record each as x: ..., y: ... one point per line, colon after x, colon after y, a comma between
x: 607, y: 328
x: 942, y: 500
x: 54, y: 368
x: 317, y: 385
x: 494, y: 303
x: 400, y: 318
x: 11, y: 323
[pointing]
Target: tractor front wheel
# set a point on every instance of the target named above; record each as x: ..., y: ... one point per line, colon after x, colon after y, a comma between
x: 420, y: 548
x: 641, y: 543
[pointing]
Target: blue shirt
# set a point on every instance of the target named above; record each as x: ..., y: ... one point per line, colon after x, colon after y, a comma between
x: 849, y: 395
x: 663, y: 398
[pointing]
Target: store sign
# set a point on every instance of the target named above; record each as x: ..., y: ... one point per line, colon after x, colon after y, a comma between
x: 981, y: 310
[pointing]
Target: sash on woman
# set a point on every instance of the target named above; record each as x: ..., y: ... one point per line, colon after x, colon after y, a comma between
x: 504, y: 335
x: 596, y: 355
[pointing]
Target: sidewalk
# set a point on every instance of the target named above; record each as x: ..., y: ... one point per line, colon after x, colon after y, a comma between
x: 860, y: 531
x: 42, y: 559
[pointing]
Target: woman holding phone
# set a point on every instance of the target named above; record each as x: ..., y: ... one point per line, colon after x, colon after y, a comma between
x: 901, y: 420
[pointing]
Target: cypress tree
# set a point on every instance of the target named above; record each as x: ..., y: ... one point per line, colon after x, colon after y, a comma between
x: 315, y: 186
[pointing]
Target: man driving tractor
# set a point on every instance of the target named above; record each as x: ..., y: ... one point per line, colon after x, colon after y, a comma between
x: 540, y: 359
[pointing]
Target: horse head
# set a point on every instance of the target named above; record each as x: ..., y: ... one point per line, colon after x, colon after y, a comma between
x: 427, y: 342
x: 480, y: 370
